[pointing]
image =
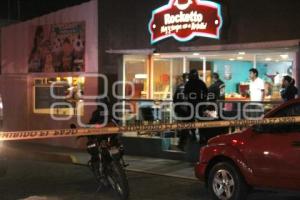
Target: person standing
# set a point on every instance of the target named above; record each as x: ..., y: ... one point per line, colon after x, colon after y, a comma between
x: 257, y: 86
x: 196, y: 92
x: 257, y: 93
x: 289, y: 91
x: 217, y: 90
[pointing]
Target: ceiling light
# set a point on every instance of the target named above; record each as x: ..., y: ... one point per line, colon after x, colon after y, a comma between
x: 231, y: 59
x: 140, y: 76
x: 284, y: 56
x: 242, y: 53
x: 240, y: 58
x: 156, y: 54
x: 196, y: 54
x: 268, y: 59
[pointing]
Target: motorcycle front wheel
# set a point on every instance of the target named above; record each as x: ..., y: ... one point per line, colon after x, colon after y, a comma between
x: 118, y: 180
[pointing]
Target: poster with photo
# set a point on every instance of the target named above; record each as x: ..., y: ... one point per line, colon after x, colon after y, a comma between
x: 57, y: 48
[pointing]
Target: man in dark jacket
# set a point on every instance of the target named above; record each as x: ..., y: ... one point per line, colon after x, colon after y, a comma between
x: 196, y: 92
x: 217, y: 90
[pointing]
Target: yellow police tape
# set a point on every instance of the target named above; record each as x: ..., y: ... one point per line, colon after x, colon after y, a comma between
x: 44, y: 134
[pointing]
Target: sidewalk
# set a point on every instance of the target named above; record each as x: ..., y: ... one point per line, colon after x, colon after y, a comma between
x: 32, y: 151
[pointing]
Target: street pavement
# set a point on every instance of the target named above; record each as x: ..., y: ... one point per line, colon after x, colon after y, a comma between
x: 33, y: 180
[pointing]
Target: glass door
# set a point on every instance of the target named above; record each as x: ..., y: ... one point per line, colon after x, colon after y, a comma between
x: 161, y: 79
x: 136, y: 77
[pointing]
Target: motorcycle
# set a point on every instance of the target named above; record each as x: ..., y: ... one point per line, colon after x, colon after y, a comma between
x: 108, y: 165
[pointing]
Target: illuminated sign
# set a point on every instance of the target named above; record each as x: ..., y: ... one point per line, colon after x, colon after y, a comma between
x: 186, y: 19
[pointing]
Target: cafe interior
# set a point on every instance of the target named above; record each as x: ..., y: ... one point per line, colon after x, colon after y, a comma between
x: 154, y: 78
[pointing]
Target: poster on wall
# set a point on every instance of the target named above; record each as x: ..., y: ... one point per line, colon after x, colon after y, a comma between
x: 57, y: 48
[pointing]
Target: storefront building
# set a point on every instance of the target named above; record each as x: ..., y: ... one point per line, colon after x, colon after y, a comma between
x: 149, y: 44
x: 268, y: 40
x: 155, y: 46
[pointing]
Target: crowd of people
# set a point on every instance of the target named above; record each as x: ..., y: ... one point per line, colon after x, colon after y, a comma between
x: 191, y: 90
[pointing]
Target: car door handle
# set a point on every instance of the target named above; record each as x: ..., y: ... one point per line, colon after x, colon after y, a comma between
x: 296, y: 144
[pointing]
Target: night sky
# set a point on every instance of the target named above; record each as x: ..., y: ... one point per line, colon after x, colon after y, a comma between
x: 32, y: 8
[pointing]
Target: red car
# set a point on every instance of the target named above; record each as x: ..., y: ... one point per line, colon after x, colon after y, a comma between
x: 264, y: 156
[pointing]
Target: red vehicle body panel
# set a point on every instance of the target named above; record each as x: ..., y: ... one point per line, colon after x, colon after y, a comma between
x: 264, y: 159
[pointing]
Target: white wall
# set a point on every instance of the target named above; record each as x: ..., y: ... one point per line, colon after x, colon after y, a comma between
x: 16, y: 85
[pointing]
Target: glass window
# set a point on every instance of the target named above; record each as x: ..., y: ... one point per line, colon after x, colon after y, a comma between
x: 233, y: 70
x: 177, y: 72
x: 60, y: 93
x: 136, y: 73
x: 167, y: 72
x: 161, y: 78
x: 272, y: 68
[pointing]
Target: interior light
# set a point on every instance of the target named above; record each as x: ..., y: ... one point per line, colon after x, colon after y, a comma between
x: 156, y: 54
x: 82, y: 80
x: 284, y: 56
x: 268, y: 59
x: 69, y: 80
x: 196, y: 54
x: 231, y: 59
x: 240, y: 58
x: 242, y: 53
x: 140, y: 76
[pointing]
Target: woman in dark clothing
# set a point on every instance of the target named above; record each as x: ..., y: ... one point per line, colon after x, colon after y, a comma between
x: 289, y: 91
